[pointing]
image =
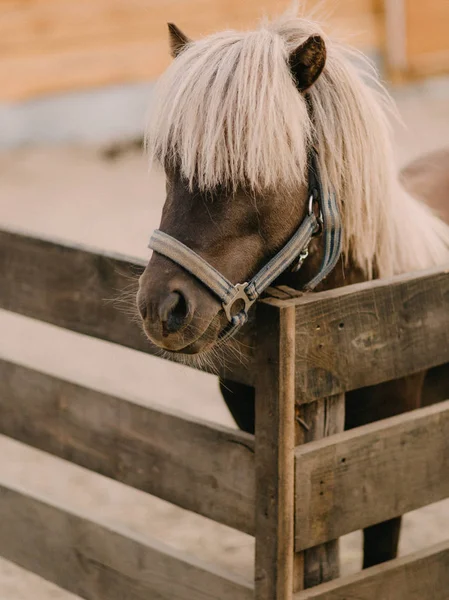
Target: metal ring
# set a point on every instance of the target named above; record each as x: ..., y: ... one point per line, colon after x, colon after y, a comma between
x: 311, y: 201
x: 319, y: 217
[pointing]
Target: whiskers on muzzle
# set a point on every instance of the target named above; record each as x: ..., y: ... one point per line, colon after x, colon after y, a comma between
x: 124, y: 299
x: 215, y: 356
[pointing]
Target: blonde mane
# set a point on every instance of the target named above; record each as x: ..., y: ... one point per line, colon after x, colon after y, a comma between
x: 227, y: 111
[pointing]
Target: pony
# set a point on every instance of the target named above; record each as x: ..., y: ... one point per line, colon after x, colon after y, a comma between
x: 233, y: 122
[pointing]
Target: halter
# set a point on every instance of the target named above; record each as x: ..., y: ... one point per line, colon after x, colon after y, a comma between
x: 322, y: 217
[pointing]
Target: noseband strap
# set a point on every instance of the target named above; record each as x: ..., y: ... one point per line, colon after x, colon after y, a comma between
x: 242, y: 296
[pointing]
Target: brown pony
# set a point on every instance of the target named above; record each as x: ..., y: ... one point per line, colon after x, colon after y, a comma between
x: 234, y: 119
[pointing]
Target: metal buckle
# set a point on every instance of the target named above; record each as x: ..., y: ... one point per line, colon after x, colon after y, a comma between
x: 239, y: 294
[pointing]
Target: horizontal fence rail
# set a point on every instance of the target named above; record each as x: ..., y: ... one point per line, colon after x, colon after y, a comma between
x: 422, y: 575
x: 347, y: 338
x: 94, y: 560
x: 201, y: 467
x: 81, y: 289
x: 371, y: 474
x: 369, y: 333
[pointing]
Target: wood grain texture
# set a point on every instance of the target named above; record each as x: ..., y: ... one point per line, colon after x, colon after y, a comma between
x: 199, y: 466
x: 368, y: 333
x: 420, y: 576
x: 50, y: 46
x: 80, y: 289
x: 275, y: 442
x: 97, y: 561
x: 316, y: 421
x: 371, y: 474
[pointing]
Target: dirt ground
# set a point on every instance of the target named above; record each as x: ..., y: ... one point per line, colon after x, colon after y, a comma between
x: 75, y: 194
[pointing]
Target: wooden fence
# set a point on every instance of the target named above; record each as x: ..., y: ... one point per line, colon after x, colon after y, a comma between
x: 296, y: 490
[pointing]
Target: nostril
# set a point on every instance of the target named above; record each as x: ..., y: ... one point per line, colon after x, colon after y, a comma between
x: 173, y: 312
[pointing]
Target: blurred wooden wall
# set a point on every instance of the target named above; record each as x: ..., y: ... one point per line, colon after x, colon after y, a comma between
x: 54, y: 46
x: 417, y: 38
x: 51, y: 46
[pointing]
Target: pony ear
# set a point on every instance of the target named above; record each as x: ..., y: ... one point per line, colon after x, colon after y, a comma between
x: 178, y: 39
x: 307, y: 62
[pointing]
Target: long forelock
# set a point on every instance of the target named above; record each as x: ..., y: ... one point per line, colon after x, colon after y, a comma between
x: 227, y: 112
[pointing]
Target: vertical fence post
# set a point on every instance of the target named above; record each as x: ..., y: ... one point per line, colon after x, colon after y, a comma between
x: 282, y: 424
x: 314, y: 421
x: 275, y: 442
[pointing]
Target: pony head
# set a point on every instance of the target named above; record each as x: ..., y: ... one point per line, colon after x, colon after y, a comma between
x: 233, y: 122
x: 231, y: 127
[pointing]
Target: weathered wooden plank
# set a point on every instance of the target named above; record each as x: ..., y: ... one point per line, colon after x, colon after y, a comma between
x: 98, y: 561
x: 368, y: 333
x: 371, y: 474
x: 423, y: 575
x: 201, y: 467
x: 350, y: 337
x: 315, y: 421
x: 83, y: 290
x: 275, y: 442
